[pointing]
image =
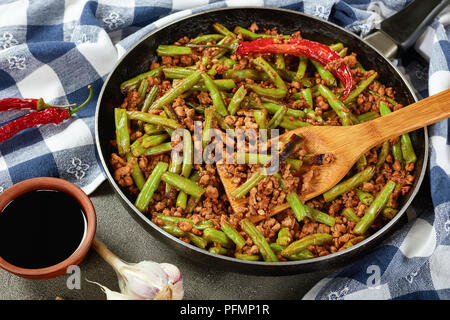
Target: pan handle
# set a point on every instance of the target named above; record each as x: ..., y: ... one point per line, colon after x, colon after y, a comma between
x: 407, y: 25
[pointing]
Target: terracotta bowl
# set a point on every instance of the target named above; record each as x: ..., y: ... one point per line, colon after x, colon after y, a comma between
x: 59, y: 185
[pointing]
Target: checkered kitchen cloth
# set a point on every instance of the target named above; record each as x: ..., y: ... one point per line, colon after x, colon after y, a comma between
x: 54, y: 49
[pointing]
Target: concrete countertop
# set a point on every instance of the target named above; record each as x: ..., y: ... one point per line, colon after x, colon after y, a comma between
x: 126, y: 238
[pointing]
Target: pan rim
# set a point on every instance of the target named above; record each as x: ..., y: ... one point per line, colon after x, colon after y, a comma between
x: 333, y: 256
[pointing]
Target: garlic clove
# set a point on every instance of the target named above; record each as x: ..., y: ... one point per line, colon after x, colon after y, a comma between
x: 144, y: 280
x: 112, y: 295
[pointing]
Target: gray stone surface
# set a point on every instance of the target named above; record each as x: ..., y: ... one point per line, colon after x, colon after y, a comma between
x: 125, y: 237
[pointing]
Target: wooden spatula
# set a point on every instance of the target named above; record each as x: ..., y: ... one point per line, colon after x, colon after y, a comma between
x: 349, y: 143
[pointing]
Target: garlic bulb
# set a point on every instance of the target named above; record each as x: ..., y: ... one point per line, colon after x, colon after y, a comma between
x: 146, y: 280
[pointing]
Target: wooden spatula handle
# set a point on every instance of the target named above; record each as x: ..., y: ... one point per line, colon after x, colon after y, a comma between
x: 417, y: 115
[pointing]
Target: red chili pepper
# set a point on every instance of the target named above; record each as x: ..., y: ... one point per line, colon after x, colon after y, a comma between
x: 33, y: 104
x: 301, y: 47
x: 49, y: 115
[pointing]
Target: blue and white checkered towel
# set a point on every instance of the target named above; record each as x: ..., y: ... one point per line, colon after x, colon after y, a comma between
x: 54, y: 49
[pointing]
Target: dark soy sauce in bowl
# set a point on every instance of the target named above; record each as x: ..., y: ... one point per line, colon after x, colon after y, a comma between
x: 41, y: 228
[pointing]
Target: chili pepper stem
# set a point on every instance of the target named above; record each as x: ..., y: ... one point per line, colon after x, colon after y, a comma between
x: 72, y: 111
x: 41, y: 105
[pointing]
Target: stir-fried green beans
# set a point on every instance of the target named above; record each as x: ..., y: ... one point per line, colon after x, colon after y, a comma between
x: 209, y: 80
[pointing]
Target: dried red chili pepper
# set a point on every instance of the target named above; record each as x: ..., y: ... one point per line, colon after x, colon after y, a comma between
x: 54, y: 115
x: 33, y: 104
x: 301, y: 47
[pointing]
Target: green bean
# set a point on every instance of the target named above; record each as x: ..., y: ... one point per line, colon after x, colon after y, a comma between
x: 245, y: 188
x: 307, y: 95
x: 249, y: 35
x: 153, y: 119
x: 300, y: 245
x: 279, y: 61
x: 173, y: 230
x: 233, y: 234
x: 281, y: 89
x: 319, y: 216
x: 274, y: 108
x: 368, y: 116
x: 352, y: 242
x: 375, y: 208
x: 138, y: 176
x: 336, y: 104
x: 302, y: 65
x: 213, y: 235
x: 151, y: 141
x: 175, y: 167
x: 350, y: 214
x: 389, y: 213
x: 391, y: 101
x: 217, y: 250
x: 407, y: 149
x: 150, y: 186
x: 142, y: 90
x: 399, y: 147
x: 349, y: 184
x: 337, y: 46
x: 248, y: 257
x: 260, y: 119
x: 206, y: 134
x: 300, y: 211
x: 383, y: 154
x: 324, y: 74
x: 302, y: 255
x: 207, y: 38
x: 284, y: 237
x: 227, y: 41
x: 184, y: 85
x: 246, y: 74
x: 177, y: 72
x: 183, y: 184
x: 150, y: 129
x: 343, y: 52
x: 149, y: 99
x: 159, y: 149
x: 188, y: 154
x: 168, y: 50
x: 182, y: 196
x: 360, y: 88
x: 215, y: 95
x: 222, y: 29
x: 303, y: 210
x: 221, y: 84
x: 296, y: 164
x: 221, y: 121
x: 134, y: 82
x: 122, y: 134
x: 365, y: 197
x: 259, y: 240
x: 235, y: 102
x: 293, y: 124
x: 277, y: 118
x: 197, y: 241
x: 174, y: 220
x: 397, y: 152
x: 361, y: 162
x: 276, y: 248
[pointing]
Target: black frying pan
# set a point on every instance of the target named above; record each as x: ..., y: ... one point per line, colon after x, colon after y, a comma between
x: 138, y: 60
